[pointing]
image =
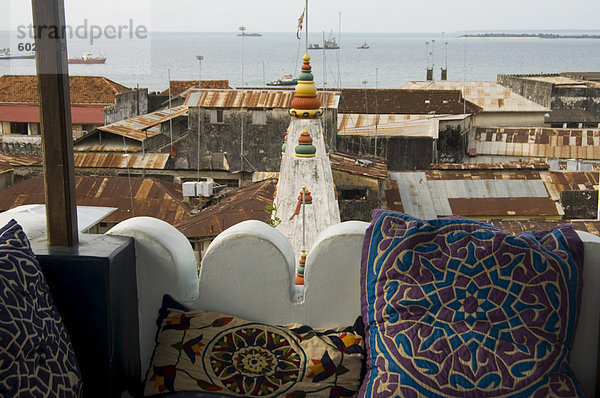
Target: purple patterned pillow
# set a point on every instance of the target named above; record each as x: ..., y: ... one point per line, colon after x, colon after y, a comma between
x: 456, y: 308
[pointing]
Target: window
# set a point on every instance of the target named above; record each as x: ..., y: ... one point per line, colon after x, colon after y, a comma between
x: 352, y: 193
x: 259, y: 117
x: 216, y: 116
x: 19, y: 128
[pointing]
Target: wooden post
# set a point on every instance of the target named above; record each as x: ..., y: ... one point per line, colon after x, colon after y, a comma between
x: 55, y: 118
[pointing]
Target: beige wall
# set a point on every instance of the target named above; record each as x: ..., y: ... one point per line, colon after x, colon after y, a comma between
x: 509, y: 119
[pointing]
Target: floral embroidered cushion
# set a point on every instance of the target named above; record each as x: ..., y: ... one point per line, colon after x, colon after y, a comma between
x: 457, y: 308
x: 212, y: 352
x: 36, y: 355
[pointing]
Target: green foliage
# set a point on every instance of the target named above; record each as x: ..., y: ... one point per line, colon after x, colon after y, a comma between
x: 272, y: 212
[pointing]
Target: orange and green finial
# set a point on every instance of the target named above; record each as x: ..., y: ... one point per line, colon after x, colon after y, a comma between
x: 300, y: 269
x: 306, y: 104
x: 305, y: 147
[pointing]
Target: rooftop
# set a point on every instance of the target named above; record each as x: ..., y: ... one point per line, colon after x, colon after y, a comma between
x: 491, y: 96
x: 142, y: 127
x: 243, y: 204
x: 180, y: 86
x: 253, y: 98
x: 84, y: 89
x: 537, y: 142
x: 413, y: 102
x: 392, y: 124
x: 135, y: 196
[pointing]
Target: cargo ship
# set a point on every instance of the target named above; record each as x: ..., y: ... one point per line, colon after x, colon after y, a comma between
x: 5, y: 54
x: 87, y: 58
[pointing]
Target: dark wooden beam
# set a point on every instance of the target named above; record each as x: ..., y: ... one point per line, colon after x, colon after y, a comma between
x: 55, y: 117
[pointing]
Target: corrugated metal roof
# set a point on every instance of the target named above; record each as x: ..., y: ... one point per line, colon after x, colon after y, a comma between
x: 149, y: 197
x: 537, y: 142
x: 354, y: 164
x: 389, y: 125
x: 491, y: 96
x: 507, y: 207
x: 452, y: 189
x: 515, y: 227
x: 415, y: 194
x: 142, y: 127
x: 150, y: 161
x: 557, y: 181
x: 251, y: 98
x: 18, y: 160
x: 244, y: 204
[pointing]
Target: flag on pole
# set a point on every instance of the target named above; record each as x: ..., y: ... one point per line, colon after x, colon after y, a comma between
x: 300, y: 21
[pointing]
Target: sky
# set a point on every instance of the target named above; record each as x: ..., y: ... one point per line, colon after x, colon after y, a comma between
x: 363, y: 16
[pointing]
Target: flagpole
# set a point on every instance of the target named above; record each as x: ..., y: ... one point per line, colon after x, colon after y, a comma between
x: 306, y: 9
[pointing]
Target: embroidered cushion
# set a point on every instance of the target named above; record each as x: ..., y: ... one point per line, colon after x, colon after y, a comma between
x: 36, y: 356
x: 212, y: 352
x: 457, y: 308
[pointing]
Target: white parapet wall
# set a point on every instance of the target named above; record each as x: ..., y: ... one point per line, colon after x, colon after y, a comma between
x: 249, y: 269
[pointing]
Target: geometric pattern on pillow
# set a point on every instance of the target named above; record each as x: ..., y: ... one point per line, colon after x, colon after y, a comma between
x: 457, y: 308
x: 212, y: 352
x: 36, y: 356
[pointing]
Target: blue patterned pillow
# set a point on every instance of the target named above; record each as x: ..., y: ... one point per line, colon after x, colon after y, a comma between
x: 457, y: 308
x: 36, y: 356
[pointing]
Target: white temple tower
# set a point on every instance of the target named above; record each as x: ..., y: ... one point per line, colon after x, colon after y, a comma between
x: 305, y: 167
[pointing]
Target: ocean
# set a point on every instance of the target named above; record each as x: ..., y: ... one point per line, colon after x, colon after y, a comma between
x: 391, y: 61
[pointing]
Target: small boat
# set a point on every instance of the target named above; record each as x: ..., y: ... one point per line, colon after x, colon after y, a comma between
x: 285, y: 80
x: 249, y: 34
x: 327, y: 44
x: 5, y: 54
x: 88, y: 58
x: 364, y: 46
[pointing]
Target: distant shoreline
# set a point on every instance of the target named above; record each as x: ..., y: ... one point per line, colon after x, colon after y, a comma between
x: 529, y: 36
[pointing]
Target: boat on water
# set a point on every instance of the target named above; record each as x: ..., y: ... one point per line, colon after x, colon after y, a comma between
x: 285, y: 80
x: 5, y: 54
x: 363, y: 46
x: 254, y: 34
x: 88, y: 58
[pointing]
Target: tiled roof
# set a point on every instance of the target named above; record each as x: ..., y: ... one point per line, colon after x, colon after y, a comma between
x: 151, y: 197
x: 537, y: 142
x: 246, y: 203
x: 491, y: 96
x: 179, y: 86
x: 413, y: 102
x: 84, y: 89
x: 253, y: 98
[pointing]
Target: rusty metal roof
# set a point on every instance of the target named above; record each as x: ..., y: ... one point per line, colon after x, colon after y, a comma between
x: 557, y: 181
x: 504, y: 207
x: 358, y: 165
x: 491, y: 96
x: 492, y: 166
x: 437, y: 193
x: 389, y: 125
x: 244, y: 204
x: 537, y: 142
x: 515, y: 227
x: 150, y: 161
x: 410, y: 102
x: 253, y: 98
x: 18, y: 160
x: 150, y: 197
x: 142, y: 127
